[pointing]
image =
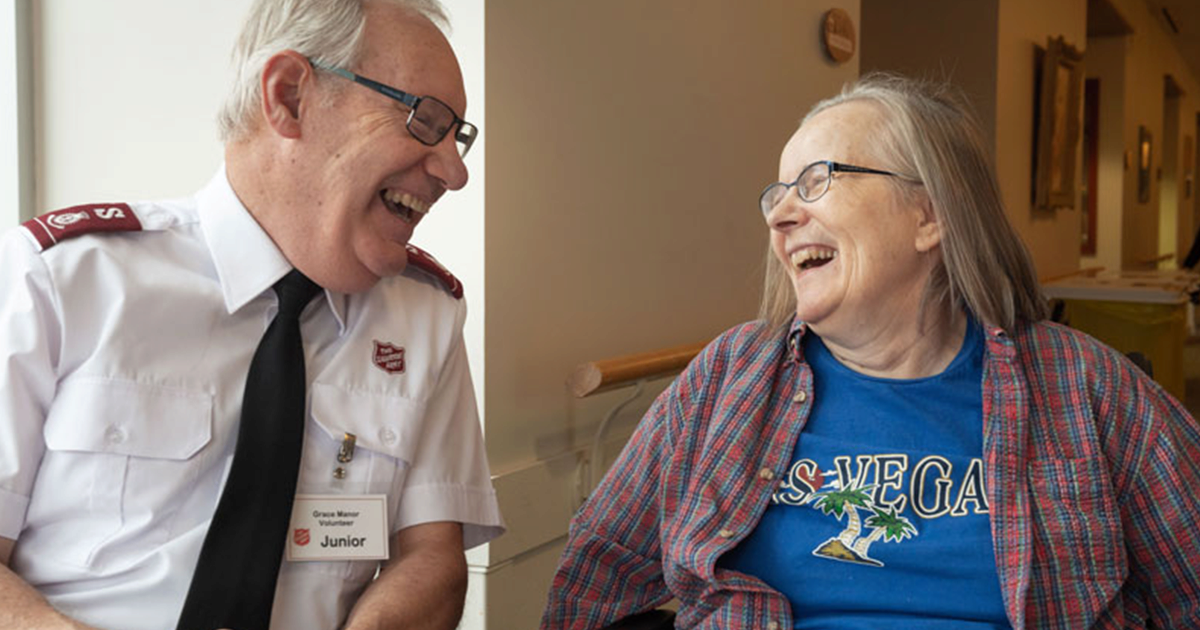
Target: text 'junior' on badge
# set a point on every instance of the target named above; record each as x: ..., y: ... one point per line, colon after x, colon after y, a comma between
x: 327, y: 527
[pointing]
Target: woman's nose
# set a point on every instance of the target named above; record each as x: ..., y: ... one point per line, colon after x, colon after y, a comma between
x: 790, y: 212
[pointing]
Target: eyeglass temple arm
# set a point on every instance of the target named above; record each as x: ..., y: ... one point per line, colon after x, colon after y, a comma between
x: 403, y: 97
x: 850, y: 168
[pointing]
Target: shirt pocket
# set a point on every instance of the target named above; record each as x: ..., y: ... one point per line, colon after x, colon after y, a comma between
x: 121, y: 457
x: 1078, y: 538
x: 386, y: 429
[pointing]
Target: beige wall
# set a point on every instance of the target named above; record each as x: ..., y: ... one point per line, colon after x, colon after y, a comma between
x: 1168, y: 182
x: 628, y: 141
x: 1150, y: 54
x: 990, y: 54
x: 994, y: 42
x: 1105, y: 60
x: 1189, y: 204
x: 899, y: 37
x: 1052, y: 236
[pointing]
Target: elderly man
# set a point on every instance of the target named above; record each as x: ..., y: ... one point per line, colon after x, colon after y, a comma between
x: 230, y: 411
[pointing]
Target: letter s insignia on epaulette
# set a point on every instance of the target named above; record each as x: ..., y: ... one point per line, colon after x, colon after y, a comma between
x: 422, y: 260
x: 55, y: 227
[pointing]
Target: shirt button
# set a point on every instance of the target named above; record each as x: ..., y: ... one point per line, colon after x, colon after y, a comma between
x: 114, y: 435
x: 772, y: 626
x: 387, y: 435
x: 800, y: 396
x: 766, y: 474
x: 725, y: 533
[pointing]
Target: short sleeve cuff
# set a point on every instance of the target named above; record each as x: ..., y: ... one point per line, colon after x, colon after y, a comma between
x: 12, y: 513
x: 475, y: 508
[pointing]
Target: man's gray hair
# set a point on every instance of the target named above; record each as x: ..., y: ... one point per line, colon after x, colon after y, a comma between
x: 326, y: 30
x: 927, y: 130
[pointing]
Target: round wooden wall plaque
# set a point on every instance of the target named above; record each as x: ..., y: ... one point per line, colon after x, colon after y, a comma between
x: 838, y: 35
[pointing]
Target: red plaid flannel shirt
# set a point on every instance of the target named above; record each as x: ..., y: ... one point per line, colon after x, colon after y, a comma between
x: 1091, y: 472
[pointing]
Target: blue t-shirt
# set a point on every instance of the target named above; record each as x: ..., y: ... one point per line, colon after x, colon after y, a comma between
x: 882, y: 520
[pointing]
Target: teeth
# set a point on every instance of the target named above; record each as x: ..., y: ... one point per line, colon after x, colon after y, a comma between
x: 809, y: 254
x: 406, y: 200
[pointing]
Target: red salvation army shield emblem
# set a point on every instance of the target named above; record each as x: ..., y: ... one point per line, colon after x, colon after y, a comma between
x: 301, y: 537
x: 389, y: 358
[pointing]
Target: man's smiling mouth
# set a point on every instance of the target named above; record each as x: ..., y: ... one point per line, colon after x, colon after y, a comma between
x: 403, y: 205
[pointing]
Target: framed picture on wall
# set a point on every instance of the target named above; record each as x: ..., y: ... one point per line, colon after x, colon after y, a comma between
x: 1058, y: 93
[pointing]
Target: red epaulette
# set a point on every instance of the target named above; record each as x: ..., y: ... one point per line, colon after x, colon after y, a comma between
x: 55, y: 227
x: 422, y: 260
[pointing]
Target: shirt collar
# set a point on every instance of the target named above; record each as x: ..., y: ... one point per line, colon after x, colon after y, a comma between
x: 795, y: 334
x: 247, y: 261
x: 999, y: 342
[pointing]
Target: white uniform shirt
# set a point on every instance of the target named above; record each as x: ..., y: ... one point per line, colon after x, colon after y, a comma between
x: 123, y: 359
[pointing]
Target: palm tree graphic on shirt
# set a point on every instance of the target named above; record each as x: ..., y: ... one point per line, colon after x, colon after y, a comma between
x: 851, y: 545
x: 803, y: 487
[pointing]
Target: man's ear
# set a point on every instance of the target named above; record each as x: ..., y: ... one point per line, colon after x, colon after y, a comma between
x: 929, y: 230
x: 283, y: 77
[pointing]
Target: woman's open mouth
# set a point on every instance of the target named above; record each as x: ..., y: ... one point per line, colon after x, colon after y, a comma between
x: 812, y: 257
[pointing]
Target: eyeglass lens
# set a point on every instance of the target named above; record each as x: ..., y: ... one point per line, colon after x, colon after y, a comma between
x: 433, y: 119
x: 812, y: 182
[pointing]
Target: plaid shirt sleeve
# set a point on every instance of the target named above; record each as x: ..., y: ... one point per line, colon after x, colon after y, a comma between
x: 1159, y: 508
x: 1108, y: 538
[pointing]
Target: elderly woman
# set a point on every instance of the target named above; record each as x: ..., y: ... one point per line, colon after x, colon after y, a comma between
x: 903, y: 440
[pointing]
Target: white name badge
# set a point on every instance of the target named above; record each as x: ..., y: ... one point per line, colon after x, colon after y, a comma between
x: 338, y: 527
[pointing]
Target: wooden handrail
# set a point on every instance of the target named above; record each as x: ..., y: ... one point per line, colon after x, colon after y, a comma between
x: 1153, y: 262
x: 597, y: 376
x: 1086, y: 271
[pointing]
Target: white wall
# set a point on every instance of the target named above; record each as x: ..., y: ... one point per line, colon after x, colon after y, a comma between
x: 126, y: 96
x: 16, y: 108
x: 454, y: 230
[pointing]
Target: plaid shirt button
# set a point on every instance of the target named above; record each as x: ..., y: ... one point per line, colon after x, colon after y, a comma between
x: 766, y: 474
x: 800, y: 396
x: 725, y: 533
x: 772, y: 625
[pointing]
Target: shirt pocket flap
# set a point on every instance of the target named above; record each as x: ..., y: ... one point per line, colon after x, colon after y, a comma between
x: 384, y: 424
x: 128, y: 418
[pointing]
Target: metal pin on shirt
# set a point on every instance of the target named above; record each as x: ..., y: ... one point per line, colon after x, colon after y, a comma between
x: 345, y: 454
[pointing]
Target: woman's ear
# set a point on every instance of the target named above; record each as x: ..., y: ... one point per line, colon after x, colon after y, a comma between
x: 283, y: 77
x: 929, y: 230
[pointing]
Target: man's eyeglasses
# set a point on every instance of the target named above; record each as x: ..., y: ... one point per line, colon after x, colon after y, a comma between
x: 429, y: 120
x: 813, y: 182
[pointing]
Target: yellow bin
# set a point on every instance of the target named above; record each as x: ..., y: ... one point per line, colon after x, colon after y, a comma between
x: 1133, y: 312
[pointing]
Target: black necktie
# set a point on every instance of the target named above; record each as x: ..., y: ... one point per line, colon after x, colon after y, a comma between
x: 234, y: 582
